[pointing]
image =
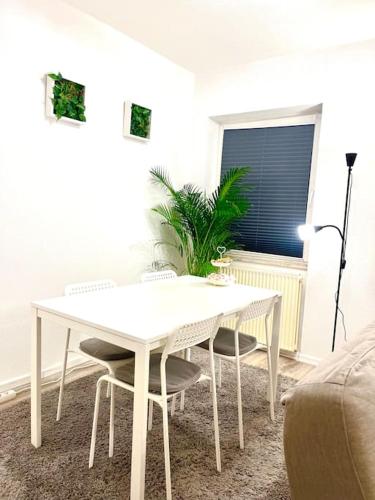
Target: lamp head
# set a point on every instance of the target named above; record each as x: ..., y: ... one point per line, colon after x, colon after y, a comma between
x: 307, y: 231
x: 350, y: 159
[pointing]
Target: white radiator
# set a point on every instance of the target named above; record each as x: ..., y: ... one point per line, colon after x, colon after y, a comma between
x: 289, y: 283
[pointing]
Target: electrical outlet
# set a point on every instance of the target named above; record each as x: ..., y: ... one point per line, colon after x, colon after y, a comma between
x: 7, y: 396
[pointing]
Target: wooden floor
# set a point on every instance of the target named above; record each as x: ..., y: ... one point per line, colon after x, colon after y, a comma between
x: 287, y: 366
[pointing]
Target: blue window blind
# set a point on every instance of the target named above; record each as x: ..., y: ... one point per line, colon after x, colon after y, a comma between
x: 280, y: 161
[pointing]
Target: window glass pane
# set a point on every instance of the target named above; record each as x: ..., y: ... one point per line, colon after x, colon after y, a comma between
x: 280, y: 161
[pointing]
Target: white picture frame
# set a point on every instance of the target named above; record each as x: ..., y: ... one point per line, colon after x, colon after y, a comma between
x: 128, y: 109
x: 50, y: 82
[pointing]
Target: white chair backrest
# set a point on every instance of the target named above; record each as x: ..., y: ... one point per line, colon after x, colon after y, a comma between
x: 256, y: 310
x: 158, y: 275
x: 89, y: 286
x: 192, y: 334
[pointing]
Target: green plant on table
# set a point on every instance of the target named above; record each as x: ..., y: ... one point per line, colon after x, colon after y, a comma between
x: 68, y: 98
x: 201, y: 223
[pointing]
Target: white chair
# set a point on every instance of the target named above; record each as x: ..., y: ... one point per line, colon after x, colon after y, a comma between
x: 158, y: 275
x: 231, y: 345
x: 108, y: 355
x: 168, y: 375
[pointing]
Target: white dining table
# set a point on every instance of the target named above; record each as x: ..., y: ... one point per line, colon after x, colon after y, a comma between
x: 140, y: 317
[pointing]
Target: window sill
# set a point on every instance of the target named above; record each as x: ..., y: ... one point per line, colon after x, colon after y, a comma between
x: 265, y: 259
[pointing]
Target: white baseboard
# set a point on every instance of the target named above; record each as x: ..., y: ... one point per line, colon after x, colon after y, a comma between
x: 23, y: 382
x: 305, y: 358
x: 298, y: 356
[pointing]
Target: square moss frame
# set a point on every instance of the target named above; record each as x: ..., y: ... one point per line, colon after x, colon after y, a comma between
x: 50, y: 106
x: 137, y: 121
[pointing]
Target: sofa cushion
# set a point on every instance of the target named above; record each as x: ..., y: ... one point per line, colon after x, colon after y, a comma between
x: 180, y: 374
x: 224, y: 342
x: 329, y: 431
x: 104, y: 350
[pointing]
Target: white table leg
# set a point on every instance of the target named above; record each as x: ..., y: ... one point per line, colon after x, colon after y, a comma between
x: 138, y: 468
x: 275, y: 346
x: 36, y: 434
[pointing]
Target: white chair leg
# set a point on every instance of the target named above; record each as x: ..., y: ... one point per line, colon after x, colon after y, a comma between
x: 150, y: 413
x: 111, y: 420
x: 173, y: 405
x: 108, y: 393
x: 272, y: 403
x: 239, y: 399
x: 269, y: 363
x: 182, y: 396
x: 188, y: 354
x: 216, y: 418
x: 219, y: 374
x: 63, y: 372
x: 95, y: 423
x: 166, y: 451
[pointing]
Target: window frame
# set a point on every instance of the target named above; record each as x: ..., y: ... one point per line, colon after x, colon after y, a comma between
x: 308, y: 119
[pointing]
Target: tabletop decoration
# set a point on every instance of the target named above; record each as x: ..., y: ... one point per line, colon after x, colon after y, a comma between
x: 219, y: 278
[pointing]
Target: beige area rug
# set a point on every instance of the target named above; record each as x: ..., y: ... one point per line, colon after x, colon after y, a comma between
x: 59, y: 469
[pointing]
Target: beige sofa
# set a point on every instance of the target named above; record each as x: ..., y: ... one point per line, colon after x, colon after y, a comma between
x: 329, y: 431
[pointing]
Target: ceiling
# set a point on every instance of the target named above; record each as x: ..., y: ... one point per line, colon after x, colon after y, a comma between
x: 209, y: 35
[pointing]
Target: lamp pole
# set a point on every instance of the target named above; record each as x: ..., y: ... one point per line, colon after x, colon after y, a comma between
x: 350, y: 159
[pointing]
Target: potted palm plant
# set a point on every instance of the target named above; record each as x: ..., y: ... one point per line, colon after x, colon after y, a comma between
x: 201, y: 223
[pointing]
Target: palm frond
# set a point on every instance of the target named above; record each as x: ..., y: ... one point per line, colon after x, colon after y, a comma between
x: 160, y: 176
x: 231, y: 179
x: 200, y: 222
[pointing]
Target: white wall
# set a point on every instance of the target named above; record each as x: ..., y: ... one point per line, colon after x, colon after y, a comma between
x: 343, y: 80
x: 74, y: 201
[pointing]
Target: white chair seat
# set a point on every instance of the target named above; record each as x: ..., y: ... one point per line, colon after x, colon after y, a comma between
x: 104, y: 350
x: 224, y: 343
x: 180, y: 374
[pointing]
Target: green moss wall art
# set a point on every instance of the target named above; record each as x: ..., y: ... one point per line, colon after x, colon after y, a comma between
x: 65, y: 99
x: 137, y: 121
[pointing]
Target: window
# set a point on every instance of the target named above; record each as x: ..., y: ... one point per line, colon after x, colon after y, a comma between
x: 280, y: 161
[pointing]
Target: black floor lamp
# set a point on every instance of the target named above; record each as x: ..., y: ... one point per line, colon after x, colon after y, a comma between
x: 307, y: 231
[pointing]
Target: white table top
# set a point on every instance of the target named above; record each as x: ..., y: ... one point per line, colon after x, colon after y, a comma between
x: 147, y: 312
